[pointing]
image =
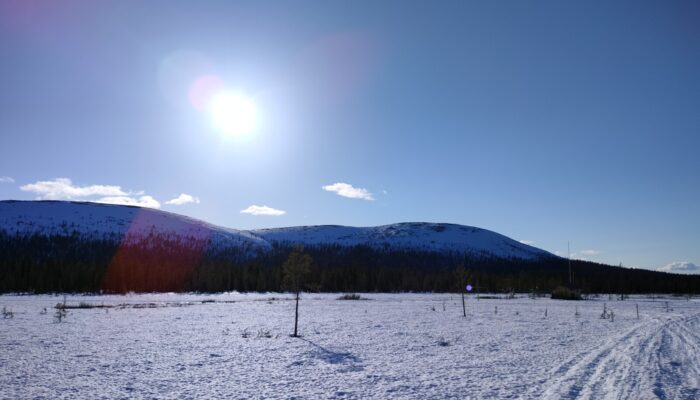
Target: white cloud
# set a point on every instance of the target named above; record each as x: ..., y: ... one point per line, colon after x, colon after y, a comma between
x: 6, y: 179
x: 263, y: 210
x: 681, y: 267
x: 63, y: 189
x: 528, y: 242
x: 143, y: 201
x: 590, y: 252
x: 183, y: 198
x: 347, y: 190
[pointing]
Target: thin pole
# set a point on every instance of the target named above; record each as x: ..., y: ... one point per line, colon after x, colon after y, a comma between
x: 568, y: 250
x: 296, y: 316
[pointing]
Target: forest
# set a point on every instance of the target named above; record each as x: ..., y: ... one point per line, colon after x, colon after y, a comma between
x: 73, y: 263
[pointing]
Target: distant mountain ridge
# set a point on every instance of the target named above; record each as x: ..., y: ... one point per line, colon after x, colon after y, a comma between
x: 60, y: 246
x: 117, y: 222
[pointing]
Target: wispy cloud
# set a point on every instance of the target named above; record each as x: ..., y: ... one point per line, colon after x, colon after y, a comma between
x: 183, y: 198
x: 263, y: 210
x: 347, y: 190
x: 528, y: 242
x: 143, y: 201
x: 681, y: 267
x: 589, y: 252
x: 6, y: 179
x: 64, y: 189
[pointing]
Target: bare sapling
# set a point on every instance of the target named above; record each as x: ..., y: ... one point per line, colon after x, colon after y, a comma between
x: 60, y: 315
x: 461, y: 276
x: 295, y: 271
x: 61, y: 311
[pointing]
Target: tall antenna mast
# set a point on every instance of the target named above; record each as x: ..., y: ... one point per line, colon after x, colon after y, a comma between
x: 568, y: 250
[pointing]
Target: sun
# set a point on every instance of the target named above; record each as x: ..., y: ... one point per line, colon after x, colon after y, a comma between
x: 233, y: 114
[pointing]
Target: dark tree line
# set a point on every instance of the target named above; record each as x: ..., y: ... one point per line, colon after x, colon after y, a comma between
x: 71, y: 263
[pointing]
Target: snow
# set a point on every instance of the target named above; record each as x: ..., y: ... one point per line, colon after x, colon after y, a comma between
x: 681, y: 267
x: 389, y: 346
x: 102, y: 220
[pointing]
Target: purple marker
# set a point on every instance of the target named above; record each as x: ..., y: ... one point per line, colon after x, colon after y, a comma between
x: 469, y: 288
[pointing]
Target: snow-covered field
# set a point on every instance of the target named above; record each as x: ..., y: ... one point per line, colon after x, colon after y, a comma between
x: 390, y: 346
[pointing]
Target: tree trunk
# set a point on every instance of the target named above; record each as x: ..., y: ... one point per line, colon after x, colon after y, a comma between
x: 296, y: 316
x: 464, y: 308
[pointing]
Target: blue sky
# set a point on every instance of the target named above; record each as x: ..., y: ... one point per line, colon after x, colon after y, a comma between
x: 545, y: 121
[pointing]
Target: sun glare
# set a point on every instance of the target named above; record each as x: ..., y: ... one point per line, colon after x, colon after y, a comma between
x: 233, y: 113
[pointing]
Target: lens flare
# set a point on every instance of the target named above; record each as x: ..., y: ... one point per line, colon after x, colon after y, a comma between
x: 203, y: 89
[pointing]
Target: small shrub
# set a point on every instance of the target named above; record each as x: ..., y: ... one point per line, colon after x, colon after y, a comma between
x: 245, y: 334
x: 60, y: 315
x: 87, y: 305
x: 81, y: 306
x: 564, y: 293
x: 262, y: 333
x: 442, y: 342
x: 6, y: 314
x: 350, y: 296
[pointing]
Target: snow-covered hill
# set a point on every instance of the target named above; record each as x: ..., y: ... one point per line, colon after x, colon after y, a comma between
x: 409, y: 235
x: 116, y: 222
x: 93, y: 220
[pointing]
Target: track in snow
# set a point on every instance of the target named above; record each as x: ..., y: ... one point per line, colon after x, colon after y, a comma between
x: 655, y: 359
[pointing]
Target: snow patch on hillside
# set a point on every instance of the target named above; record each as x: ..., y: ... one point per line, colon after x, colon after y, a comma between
x: 681, y: 267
